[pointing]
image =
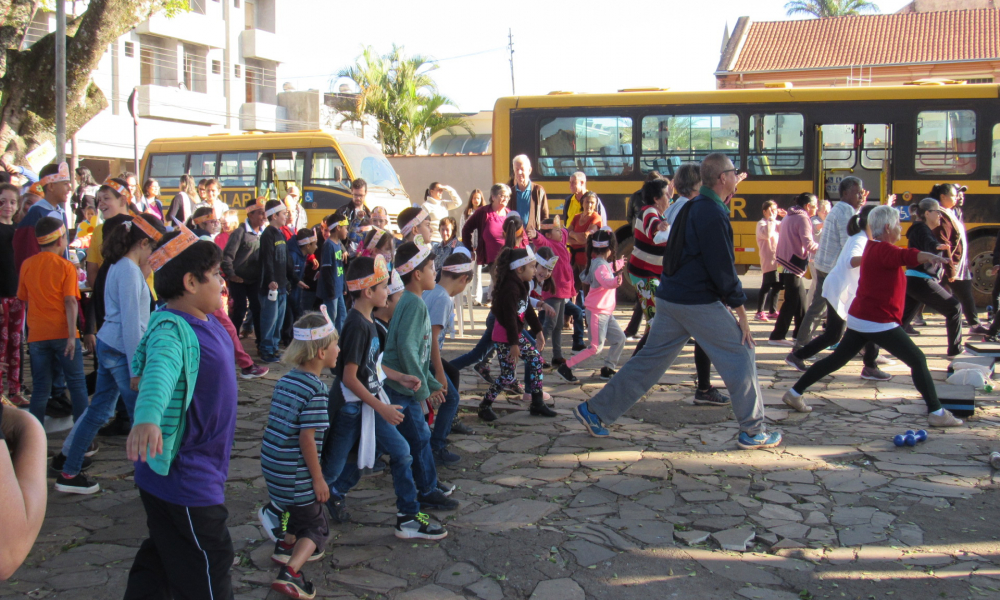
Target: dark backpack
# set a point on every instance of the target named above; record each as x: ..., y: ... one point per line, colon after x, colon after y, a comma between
x: 675, y: 241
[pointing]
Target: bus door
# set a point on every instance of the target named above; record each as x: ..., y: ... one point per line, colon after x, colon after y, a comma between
x: 277, y: 170
x: 854, y: 150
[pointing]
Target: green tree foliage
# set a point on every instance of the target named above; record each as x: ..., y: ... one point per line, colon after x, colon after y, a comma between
x: 27, y: 75
x: 398, y: 92
x: 830, y: 8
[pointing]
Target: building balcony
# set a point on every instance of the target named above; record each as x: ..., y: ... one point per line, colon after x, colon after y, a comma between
x: 189, y: 27
x: 261, y: 45
x: 258, y: 116
x: 175, y: 104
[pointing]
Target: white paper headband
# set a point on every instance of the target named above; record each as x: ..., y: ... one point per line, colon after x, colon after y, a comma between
x: 530, y: 258
x: 417, y: 220
x: 413, y: 263
x: 316, y: 333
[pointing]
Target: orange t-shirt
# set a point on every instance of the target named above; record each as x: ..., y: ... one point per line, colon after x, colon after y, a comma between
x: 46, y: 280
x: 580, y: 224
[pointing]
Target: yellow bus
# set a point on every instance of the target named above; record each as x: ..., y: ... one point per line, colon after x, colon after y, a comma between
x: 321, y: 163
x: 898, y: 140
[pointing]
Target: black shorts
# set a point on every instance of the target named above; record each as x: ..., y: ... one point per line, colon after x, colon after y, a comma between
x: 310, y: 522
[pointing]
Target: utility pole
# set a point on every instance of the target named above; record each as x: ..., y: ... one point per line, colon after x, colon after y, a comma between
x: 60, y: 81
x: 510, y: 46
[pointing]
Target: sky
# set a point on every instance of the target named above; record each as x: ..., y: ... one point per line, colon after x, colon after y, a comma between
x: 581, y: 46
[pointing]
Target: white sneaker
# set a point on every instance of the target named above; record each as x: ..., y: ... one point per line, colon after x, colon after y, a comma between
x: 786, y: 343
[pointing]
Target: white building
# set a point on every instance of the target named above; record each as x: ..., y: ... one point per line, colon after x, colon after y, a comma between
x: 213, y: 69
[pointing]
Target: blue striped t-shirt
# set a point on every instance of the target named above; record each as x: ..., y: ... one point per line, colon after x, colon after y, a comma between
x: 299, y: 402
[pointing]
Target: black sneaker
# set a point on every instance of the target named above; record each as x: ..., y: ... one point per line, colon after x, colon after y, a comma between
x: 59, y: 461
x: 483, y: 370
x: 446, y: 488
x: 515, y: 388
x: 337, y: 505
x: 486, y: 413
x: 118, y: 426
x: 579, y: 347
x: 992, y: 339
x: 418, y: 526
x: 293, y: 587
x: 607, y: 373
x: 271, y: 519
x: 462, y: 429
x: 711, y: 397
x: 566, y: 373
x: 445, y: 457
x: 58, y: 407
x: 436, y: 500
x: 282, y: 555
x: 546, y: 365
x: 796, y: 363
x: 378, y: 468
x: 76, y: 485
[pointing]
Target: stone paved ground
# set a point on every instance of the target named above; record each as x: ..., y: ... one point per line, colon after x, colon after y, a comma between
x: 665, y: 507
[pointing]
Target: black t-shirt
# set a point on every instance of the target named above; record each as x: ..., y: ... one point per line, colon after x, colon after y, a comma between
x: 360, y: 345
x: 8, y: 276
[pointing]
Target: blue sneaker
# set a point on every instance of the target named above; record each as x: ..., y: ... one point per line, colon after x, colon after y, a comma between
x: 591, y: 421
x: 269, y: 358
x: 759, y: 441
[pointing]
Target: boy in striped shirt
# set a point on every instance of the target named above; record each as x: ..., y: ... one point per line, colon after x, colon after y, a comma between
x: 289, y: 457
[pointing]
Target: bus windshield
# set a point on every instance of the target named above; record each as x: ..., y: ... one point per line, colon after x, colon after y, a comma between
x: 371, y: 166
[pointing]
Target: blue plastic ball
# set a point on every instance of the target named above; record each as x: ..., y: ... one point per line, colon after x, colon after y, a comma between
x: 910, y: 432
x: 910, y: 440
x: 921, y: 435
x: 898, y: 440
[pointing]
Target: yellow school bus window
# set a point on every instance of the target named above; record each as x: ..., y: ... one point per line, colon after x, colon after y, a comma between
x: 875, y: 146
x: 167, y: 169
x: 995, y: 164
x: 838, y: 147
x: 328, y: 170
x: 668, y: 141
x: 203, y: 166
x: 598, y: 146
x: 238, y: 169
x: 946, y: 142
x: 777, y: 144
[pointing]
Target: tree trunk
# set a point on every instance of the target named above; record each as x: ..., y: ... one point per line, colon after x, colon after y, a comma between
x: 27, y: 85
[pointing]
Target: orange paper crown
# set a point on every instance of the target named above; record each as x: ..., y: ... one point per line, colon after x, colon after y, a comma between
x: 48, y: 238
x: 381, y: 274
x: 172, y: 249
x: 36, y: 189
x: 61, y: 175
x: 145, y: 227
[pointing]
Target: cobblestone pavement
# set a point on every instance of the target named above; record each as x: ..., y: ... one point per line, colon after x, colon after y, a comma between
x: 666, y: 507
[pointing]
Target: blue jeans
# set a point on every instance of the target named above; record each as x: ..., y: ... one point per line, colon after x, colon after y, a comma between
x: 342, y: 475
x: 113, y: 378
x: 43, y: 355
x: 337, y: 310
x: 418, y: 435
x: 445, y: 415
x: 579, y: 315
x: 272, y: 315
x: 482, y: 348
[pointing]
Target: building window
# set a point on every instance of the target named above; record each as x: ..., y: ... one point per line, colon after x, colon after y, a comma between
x: 129, y: 50
x: 236, y: 3
x: 777, y: 144
x: 236, y: 71
x: 216, y: 67
x: 946, y: 142
x: 195, y: 63
x: 197, y: 6
x: 598, y: 146
x: 669, y: 141
x: 261, y: 85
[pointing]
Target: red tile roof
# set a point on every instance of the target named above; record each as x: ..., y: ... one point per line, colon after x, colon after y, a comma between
x: 871, y: 40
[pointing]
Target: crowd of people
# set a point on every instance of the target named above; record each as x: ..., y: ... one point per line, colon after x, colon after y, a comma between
x: 162, y: 296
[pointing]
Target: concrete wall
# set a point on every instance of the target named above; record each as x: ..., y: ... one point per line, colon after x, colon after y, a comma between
x: 464, y: 173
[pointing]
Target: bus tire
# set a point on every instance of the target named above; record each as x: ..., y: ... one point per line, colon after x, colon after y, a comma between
x: 981, y: 265
x: 626, y: 291
x: 742, y: 269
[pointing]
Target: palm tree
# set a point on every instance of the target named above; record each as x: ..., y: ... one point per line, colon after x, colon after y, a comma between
x: 830, y: 8
x: 399, y: 93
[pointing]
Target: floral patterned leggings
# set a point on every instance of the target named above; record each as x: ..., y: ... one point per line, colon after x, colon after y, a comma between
x: 11, y: 326
x: 508, y: 370
x: 645, y: 288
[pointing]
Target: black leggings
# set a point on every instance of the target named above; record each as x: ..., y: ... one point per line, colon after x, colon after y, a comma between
x: 894, y: 341
x: 962, y: 289
x: 633, y: 324
x: 921, y: 291
x: 793, y: 307
x: 834, y: 332
x: 769, y: 289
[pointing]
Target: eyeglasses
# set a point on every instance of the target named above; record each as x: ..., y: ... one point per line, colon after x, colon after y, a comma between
x: 729, y: 171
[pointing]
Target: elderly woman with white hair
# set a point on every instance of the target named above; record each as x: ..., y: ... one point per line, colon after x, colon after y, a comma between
x: 875, y: 315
